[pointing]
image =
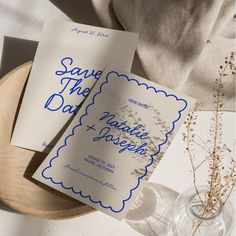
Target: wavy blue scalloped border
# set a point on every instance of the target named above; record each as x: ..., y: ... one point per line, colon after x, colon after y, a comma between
x: 80, y: 124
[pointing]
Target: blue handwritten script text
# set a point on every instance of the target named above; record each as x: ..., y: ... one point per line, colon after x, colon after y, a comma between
x: 89, y: 32
x: 71, y: 81
x: 106, y: 134
x: 88, y: 176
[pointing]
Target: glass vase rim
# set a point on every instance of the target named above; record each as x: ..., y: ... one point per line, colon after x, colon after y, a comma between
x: 202, y: 190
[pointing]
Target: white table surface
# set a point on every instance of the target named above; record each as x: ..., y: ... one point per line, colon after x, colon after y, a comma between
x: 22, y: 20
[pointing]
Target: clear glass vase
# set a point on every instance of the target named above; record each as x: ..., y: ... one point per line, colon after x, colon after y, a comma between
x: 188, y: 218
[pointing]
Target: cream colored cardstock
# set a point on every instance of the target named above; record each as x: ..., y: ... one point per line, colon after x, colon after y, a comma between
x: 115, y: 141
x: 69, y: 60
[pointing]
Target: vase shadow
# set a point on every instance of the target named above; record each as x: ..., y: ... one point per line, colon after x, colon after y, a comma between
x: 150, y: 214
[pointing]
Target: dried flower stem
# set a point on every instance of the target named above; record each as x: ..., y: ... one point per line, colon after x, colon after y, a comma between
x: 222, y: 179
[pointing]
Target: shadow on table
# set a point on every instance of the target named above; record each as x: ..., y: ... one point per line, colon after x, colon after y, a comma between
x: 151, y: 212
x: 79, y: 11
x: 6, y: 208
x: 16, y: 52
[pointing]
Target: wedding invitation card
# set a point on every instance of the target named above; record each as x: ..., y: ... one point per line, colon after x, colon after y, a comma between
x: 69, y: 60
x: 115, y: 141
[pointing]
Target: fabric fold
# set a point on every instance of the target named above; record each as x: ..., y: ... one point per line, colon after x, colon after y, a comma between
x: 180, y: 43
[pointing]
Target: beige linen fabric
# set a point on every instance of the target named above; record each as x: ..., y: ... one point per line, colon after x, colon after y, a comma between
x: 182, y: 43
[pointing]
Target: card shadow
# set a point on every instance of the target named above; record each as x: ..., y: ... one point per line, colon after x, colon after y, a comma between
x: 16, y: 52
x: 79, y: 11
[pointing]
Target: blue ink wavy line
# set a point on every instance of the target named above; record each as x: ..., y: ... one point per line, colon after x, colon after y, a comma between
x: 80, y: 124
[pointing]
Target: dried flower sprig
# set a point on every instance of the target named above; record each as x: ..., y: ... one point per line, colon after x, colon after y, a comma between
x: 222, y: 179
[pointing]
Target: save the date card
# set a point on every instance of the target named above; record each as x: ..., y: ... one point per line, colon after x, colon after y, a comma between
x: 69, y: 60
x: 115, y: 141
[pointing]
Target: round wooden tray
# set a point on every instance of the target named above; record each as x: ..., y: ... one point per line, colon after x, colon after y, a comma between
x: 17, y: 188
